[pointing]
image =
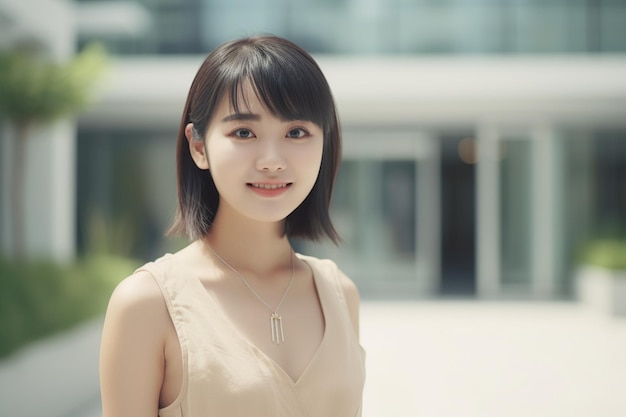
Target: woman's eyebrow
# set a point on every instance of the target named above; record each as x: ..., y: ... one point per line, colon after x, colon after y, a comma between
x: 241, y: 116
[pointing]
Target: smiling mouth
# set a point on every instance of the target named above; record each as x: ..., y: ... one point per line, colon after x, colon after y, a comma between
x: 269, y: 186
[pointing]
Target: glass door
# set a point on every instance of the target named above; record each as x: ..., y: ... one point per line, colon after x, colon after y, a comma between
x: 518, y: 204
x: 386, y: 208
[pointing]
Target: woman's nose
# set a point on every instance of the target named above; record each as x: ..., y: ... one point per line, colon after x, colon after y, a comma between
x: 270, y: 158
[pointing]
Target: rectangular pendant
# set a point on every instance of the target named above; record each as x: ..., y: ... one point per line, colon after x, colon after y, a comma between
x: 276, y: 323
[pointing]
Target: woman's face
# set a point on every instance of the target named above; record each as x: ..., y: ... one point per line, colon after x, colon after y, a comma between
x: 263, y: 167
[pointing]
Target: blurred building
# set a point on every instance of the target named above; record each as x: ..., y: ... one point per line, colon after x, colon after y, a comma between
x: 485, y: 141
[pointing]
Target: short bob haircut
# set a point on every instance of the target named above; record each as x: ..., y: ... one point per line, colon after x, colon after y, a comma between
x: 291, y: 86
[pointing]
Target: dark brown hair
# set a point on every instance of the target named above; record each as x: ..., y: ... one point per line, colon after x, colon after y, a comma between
x: 291, y: 86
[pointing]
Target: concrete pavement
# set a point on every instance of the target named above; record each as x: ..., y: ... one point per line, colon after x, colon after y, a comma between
x: 56, y: 377
x: 493, y: 359
x: 424, y: 359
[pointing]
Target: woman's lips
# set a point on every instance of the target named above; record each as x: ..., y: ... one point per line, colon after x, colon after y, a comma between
x: 269, y: 189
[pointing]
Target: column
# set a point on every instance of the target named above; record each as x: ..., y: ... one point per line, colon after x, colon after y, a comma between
x: 488, y: 214
x: 544, y: 205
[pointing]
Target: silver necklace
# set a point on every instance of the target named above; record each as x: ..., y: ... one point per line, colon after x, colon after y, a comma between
x: 276, y: 321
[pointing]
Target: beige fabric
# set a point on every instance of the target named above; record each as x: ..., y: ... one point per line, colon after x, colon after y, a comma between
x: 225, y: 375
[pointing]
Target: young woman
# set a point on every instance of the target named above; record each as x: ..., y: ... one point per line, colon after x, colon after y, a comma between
x: 236, y: 323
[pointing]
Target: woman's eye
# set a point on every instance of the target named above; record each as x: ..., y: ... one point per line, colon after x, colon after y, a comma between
x: 297, y: 133
x: 243, y: 133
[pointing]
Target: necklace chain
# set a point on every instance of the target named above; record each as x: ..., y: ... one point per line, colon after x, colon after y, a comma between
x: 276, y: 323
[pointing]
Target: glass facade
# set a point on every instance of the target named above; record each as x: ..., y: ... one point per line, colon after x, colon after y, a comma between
x: 384, y: 27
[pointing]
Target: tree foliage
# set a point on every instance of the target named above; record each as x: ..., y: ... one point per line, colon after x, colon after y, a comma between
x: 35, y: 89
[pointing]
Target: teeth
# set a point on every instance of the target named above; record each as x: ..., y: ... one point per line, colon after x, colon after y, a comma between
x: 269, y: 186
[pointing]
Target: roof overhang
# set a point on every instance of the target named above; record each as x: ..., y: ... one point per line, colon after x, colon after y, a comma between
x: 405, y: 91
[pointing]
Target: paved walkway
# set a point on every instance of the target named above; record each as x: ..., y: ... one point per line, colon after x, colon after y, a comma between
x: 425, y: 359
x: 57, y: 377
x: 488, y: 359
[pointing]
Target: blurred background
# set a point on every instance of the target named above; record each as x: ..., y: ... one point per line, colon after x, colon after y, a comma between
x: 484, y: 159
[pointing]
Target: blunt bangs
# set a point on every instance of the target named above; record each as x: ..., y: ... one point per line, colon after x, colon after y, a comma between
x: 289, y: 85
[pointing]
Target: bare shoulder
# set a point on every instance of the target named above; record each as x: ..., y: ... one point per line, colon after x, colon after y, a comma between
x: 137, y: 308
x: 138, y: 293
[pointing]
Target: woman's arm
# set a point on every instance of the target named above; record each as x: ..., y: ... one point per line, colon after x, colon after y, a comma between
x: 132, y: 351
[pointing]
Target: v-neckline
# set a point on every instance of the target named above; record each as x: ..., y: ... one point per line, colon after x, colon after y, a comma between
x: 323, y: 306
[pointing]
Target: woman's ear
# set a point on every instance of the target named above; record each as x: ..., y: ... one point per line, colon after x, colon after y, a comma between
x: 196, y: 148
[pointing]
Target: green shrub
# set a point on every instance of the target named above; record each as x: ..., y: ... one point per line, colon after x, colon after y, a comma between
x: 605, y: 253
x: 39, y: 298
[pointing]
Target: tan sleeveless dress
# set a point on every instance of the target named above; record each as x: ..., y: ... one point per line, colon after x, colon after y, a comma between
x: 224, y: 375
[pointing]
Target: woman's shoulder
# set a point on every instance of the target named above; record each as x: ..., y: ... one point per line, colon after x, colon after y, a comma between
x: 137, y: 294
x: 142, y: 290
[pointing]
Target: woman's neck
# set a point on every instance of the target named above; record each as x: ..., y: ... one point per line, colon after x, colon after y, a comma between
x: 249, y: 245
